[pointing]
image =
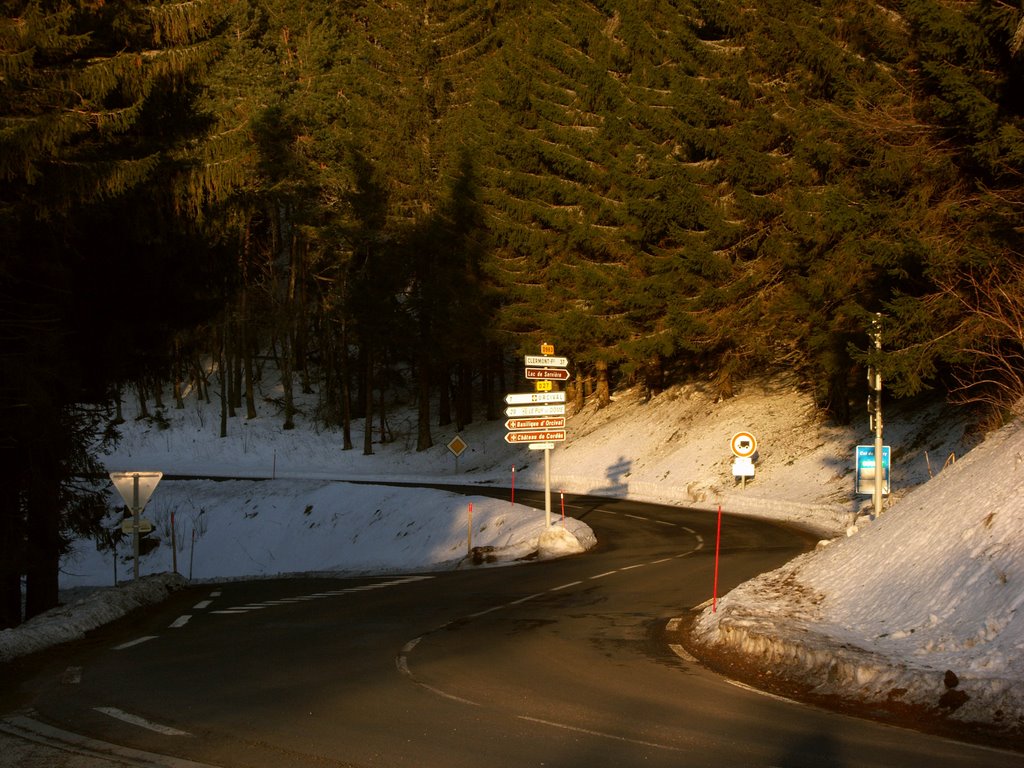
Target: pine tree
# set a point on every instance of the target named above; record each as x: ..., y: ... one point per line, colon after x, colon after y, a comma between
x: 95, y: 104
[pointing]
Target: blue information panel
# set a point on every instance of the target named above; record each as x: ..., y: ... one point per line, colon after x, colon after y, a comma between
x: 866, y: 469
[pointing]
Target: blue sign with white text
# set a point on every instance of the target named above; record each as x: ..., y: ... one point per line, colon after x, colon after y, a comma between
x: 866, y: 469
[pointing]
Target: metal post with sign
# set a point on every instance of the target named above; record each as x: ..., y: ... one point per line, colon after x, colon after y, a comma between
x: 537, y: 418
x: 135, y: 489
x: 875, y: 382
x: 744, y: 446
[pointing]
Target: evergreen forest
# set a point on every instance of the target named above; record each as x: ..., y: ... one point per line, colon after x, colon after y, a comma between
x: 367, y: 197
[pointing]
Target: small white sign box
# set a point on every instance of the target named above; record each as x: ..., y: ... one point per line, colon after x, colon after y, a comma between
x: 742, y: 466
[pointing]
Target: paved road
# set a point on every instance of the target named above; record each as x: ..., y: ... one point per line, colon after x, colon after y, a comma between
x: 565, y: 663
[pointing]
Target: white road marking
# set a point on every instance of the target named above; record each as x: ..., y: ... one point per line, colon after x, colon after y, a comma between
x: 141, y: 722
x: 484, y: 612
x: 534, y: 596
x: 136, y: 641
x: 752, y: 689
x: 589, y: 732
x: 602, y: 575
x: 565, y: 586
x: 96, y: 752
x: 180, y: 622
x: 673, y: 625
x: 202, y: 605
x: 682, y: 653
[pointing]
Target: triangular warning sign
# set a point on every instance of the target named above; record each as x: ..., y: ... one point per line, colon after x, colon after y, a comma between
x: 125, y: 484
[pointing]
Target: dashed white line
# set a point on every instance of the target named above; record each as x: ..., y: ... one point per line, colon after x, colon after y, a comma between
x: 136, y: 641
x: 565, y: 586
x: 589, y: 732
x: 141, y: 722
x: 202, y: 605
x: 602, y: 575
x: 534, y: 596
x: 682, y: 653
x: 484, y: 612
x: 180, y: 622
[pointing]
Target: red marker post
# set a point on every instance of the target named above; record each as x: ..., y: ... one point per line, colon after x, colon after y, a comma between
x: 469, y: 531
x: 718, y: 542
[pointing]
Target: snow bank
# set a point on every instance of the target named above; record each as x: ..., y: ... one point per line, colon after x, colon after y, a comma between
x: 922, y: 606
x: 71, y: 622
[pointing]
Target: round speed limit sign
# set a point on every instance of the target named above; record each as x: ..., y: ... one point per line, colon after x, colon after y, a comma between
x: 743, y: 445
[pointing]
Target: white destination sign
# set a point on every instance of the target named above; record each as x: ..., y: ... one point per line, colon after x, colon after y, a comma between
x: 535, y: 410
x: 547, y: 361
x: 524, y: 398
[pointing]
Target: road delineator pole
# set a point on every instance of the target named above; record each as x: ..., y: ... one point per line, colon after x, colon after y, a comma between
x: 718, y: 543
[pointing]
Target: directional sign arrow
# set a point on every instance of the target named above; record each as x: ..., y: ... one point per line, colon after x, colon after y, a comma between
x: 555, y: 374
x: 525, y: 398
x: 541, y: 436
x: 527, y: 424
x: 535, y: 410
x: 547, y: 361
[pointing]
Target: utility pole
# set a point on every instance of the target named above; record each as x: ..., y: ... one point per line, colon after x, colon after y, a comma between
x: 875, y: 416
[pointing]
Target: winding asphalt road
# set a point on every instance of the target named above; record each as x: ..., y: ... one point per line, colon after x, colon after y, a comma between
x: 571, y: 663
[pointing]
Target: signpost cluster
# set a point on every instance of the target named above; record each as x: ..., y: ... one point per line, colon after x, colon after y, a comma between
x: 136, y: 488
x: 537, y: 419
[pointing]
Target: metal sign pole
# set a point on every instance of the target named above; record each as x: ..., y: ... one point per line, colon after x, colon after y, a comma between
x: 136, y: 514
x: 547, y: 485
x: 879, y: 464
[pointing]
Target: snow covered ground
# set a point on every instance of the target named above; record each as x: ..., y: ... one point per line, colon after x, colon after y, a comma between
x: 883, y: 611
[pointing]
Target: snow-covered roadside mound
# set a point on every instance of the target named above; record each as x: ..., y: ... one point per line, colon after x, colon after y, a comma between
x: 675, y: 449
x: 71, y: 622
x: 924, y: 607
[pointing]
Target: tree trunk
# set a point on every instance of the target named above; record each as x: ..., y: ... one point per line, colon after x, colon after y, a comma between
x: 444, y: 405
x: 140, y: 388
x: 346, y: 391
x: 368, y: 403
x: 224, y: 395
x: 424, y: 439
x: 11, y: 539
x: 604, y: 397
x: 247, y: 362
x: 43, y: 561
